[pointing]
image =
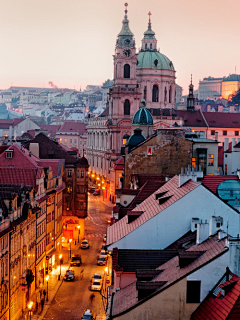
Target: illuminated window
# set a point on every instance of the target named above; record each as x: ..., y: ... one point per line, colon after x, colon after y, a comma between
x: 82, y: 174
x: 60, y: 140
x: 69, y: 188
x: 211, y: 159
x: 65, y: 140
x: 149, y: 151
x: 69, y: 173
x: 194, y: 162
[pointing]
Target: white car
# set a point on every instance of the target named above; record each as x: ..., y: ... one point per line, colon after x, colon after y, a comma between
x: 96, y: 285
x: 84, y: 244
x: 97, y: 277
x: 103, y: 254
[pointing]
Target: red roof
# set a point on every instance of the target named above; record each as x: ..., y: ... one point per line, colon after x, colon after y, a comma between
x: 221, y: 306
x: 51, y: 129
x: 150, y: 208
x: 119, y: 164
x: 19, y: 176
x: 212, y: 182
x: 72, y: 126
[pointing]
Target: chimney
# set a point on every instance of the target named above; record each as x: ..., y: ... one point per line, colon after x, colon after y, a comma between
x: 215, y: 223
x: 202, y: 232
x: 220, y: 108
x: 185, y: 177
x: 194, y: 224
x: 234, y: 257
x: 208, y: 108
x: 216, y: 136
x: 34, y: 149
x: 10, y: 133
x: 226, y: 144
x: 232, y: 109
x: 221, y: 235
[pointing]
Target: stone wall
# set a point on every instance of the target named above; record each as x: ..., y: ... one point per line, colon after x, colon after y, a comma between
x: 170, y: 152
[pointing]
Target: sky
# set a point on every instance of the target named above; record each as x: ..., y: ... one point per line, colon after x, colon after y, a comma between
x: 71, y: 42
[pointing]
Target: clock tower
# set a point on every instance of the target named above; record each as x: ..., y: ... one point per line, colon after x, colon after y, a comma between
x: 125, y: 94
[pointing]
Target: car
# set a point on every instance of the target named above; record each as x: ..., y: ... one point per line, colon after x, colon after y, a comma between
x: 84, y: 244
x: 91, y: 190
x: 104, y: 247
x: 101, y: 261
x: 105, y: 238
x: 103, y: 254
x: 96, y: 192
x: 69, y: 275
x: 88, y: 315
x: 96, y: 285
x: 76, y: 260
x: 96, y: 276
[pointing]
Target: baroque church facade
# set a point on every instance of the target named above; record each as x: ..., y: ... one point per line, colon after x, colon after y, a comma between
x: 147, y: 75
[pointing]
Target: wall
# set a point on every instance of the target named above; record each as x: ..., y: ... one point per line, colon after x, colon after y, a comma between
x: 155, y: 233
x: 123, y: 279
x: 167, y: 305
x: 170, y: 152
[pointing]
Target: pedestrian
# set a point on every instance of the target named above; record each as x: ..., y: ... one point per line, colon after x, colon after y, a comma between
x: 92, y: 296
x: 44, y: 294
x: 42, y: 303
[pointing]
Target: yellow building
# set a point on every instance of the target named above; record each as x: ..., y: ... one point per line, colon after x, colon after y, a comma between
x: 229, y: 87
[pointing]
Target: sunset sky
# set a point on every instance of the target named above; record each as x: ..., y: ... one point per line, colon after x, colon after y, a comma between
x: 71, y: 42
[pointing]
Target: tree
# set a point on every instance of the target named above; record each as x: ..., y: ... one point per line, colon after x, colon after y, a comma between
x: 235, y: 97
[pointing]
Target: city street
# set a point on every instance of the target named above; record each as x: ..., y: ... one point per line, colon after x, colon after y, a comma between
x: 73, y: 297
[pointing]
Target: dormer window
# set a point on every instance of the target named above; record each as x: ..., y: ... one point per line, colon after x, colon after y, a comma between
x: 9, y: 154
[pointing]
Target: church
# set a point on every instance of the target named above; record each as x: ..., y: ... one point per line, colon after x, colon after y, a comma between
x: 145, y: 75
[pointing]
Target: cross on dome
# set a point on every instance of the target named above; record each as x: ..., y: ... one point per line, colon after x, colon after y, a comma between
x: 149, y: 13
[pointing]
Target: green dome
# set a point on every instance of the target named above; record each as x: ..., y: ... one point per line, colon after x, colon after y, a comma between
x: 135, y: 138
x: 153, y: 60
x: 142, y: 116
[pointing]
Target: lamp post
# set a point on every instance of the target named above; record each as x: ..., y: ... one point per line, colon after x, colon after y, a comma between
x: 60, y: 262
x: 47, y: 278
x: 30, y: 308
x: 103, y: 188
x: 78, y: 232
x: 70, y: 241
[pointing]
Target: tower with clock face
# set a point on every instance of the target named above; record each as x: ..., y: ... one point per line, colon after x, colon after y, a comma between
x: 125, y: 94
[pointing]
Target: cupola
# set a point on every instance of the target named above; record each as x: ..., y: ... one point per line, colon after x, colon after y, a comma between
x: 142, y: 116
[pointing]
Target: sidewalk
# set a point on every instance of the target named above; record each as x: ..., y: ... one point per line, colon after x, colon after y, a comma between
x: 53, y: 286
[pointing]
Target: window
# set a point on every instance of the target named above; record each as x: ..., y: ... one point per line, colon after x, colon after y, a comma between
x: 78, y: 173
x: 126, y: 71
x: 194, y: 162
x: 81, y: 189
x: 75, y: 140
x: 212, y: 132
x: 236, y: 133
x: 9, y: 155
x: 60, y: 140
x: 224, y: 133
x: 211, y: 159
x: 68, y: 205
x: 69, y: 173
x: 145, y: 93
x: 145, y: 46
x: 82, y: 174
x: 69, y: 188
x: 149, y: 151
x: 127, y: 107
x: 70, y: 140
x: 150, y: 46
x: 170, y: 95
x: 65, y: 140
x: 193, y: 291
x: 165, y: 94
x: 155, y: 93
x: 81, y: 205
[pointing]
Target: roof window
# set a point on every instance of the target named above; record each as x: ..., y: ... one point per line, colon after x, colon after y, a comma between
x: 9, y: 154
x: 164, y: 199
x: 160, y: 194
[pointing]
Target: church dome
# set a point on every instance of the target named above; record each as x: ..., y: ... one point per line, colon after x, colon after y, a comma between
x: 142, y: 116
x: 153, y: 60
x: 135, y: 138
x: 82, y: 162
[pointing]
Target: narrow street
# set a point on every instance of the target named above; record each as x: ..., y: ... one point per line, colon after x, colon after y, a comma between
x: 73, y: 297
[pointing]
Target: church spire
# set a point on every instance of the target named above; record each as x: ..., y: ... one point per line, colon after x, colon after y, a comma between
x: 190, y: 97
x: 149, y: 42
x: 125, y: 36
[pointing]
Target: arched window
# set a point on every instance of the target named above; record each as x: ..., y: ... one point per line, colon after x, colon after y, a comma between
x: 145, y: 93
x: 116, y: 71
x: 126, y: 71
x: 150, y: 46
x: 170, y: 95
x: 165, y: 95
x: 145, y: 46
x: 127, y: 107
x: 155, y: 93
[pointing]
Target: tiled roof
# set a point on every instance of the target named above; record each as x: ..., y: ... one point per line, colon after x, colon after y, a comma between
x: 51, y: 129
x: 105, y: 113
x: 222, y: 307
x: 20, y: 176
x: 55, y: 164
x: 212, y: 182
x: 191, y: 119
x: 72, y: 126
x: 131, y: 260
x: 211, y: 249
x: 119, y: 164
x: 150, y: 208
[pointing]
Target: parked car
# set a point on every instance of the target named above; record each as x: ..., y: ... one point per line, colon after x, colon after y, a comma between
x: 96, y: 276
x: 101, y: 261
x: 91, y: 190
x: 84, y: 244
x: 96, y: 285
x: 76, y: 260
x: 69, y: 275
x: 104, y: 247
x: 103, y: 254
x: 105, y: 238
x: 96, y: 192
x: 88, y: 315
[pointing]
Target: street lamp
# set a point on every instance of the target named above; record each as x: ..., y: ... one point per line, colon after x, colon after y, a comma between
x: 47, y: 278
x: 30, y: 308
x: 70, y: 241
x: 60, y: 262
x: 78, y: 232
x: 103, y: 188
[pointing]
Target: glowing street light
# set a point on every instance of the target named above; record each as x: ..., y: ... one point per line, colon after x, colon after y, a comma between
x: 30, y: 307
x: 78, y: 232
x: 70, y: 241
x: 47, y: 278
x: 60, y: 262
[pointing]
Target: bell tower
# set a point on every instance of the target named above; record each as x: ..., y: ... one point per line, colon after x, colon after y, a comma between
x: 125, y: 95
